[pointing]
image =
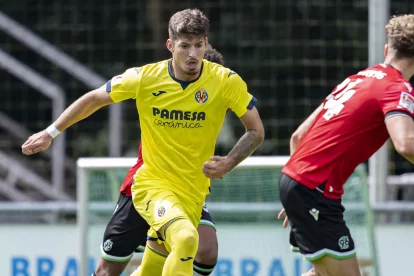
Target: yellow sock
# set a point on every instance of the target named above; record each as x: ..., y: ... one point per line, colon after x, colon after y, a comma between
x: 182, y: 238
x: 152, y: 263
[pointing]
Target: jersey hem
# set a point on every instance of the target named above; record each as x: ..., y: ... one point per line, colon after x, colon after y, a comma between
x: 307, y: 184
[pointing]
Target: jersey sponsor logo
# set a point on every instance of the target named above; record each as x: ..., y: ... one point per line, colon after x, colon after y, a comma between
x: 107, y: 246
x: 343, y: 242
x: 201, y: 96
x: 407, y: 101
x: 173, y: 124
x: 379, y: 75
x: 156, y: 94
x: 178, y: 118
x: 178, y: 115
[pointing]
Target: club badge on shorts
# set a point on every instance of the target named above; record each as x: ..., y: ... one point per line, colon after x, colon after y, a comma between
x: 161, y: 211
x: 107, y: 246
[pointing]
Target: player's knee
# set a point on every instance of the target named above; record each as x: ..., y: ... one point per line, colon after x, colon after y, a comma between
x: 182, y: 232
x: 187, y: 236
x: 207, y: 253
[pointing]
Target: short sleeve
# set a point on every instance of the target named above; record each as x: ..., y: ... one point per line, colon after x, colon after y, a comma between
x: 125, y: 86
x: 397, y: 99
x: 236, y: 96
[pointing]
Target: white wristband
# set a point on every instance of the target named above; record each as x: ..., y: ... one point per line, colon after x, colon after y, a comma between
x: 52, y: 130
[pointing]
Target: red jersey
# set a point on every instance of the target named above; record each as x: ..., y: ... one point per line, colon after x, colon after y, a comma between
x: 350, y: 128
x: 129, y: 177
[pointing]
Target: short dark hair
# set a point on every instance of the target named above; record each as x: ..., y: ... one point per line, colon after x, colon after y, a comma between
x: 213, y: 55
x: 189, y: 22
x: 400, y: 34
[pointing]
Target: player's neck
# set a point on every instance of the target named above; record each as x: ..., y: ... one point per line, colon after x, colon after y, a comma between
x: 406, y: 67
x: 180, y: 75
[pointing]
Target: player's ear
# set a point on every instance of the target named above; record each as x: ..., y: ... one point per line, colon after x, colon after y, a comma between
x: 385, y: 50
x: 170, y: 45
x: 206, y: 41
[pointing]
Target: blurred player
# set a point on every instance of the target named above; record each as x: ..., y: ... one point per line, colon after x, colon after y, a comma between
x: 127, y: 230
x: 181, y: 103
x: 353, y: 122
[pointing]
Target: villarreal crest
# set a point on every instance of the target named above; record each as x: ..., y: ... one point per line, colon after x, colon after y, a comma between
x: 201, y: 95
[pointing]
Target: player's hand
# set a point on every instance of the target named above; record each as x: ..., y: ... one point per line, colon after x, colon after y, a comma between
x: 37, y: 142
x: 217, y: 168
x: 280, y: 216
x: 311, y: 272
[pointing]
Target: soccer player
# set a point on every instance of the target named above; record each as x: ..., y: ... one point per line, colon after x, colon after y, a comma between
x: 352, y: 123
x: 127, y: 230
x: 181, y: 103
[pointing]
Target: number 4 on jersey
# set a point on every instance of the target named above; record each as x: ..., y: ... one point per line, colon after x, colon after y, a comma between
x: 335, y: 101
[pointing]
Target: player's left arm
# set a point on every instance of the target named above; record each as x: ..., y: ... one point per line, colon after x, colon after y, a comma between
x: 237, y: 99
x: 250, y: 141
x: 301, y: 131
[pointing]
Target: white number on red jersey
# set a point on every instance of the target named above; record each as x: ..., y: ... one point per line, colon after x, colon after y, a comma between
x: 335, y: 101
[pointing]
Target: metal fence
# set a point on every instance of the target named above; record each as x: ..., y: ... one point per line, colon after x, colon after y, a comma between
x: 291, y: 54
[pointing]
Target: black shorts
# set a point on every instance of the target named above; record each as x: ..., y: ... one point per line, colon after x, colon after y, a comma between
x: 317, y: 224
x: 126, y: 231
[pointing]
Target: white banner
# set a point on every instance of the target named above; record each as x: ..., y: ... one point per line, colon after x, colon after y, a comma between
x: 244, y: 250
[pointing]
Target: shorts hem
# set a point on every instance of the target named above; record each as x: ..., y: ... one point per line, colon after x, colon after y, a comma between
x: 114, y: 258
x: 164, y: 223
x: 331, y: 253
x: 294, y: 249
x: 140, y: 248
x: 208, y: 223
x: 156, y: 252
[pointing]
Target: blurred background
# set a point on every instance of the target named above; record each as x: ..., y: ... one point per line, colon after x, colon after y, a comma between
x: 290, y: 53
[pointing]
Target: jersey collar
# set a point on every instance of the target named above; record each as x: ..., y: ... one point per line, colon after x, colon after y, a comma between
x: 184, y: 84
x: 398, y: 71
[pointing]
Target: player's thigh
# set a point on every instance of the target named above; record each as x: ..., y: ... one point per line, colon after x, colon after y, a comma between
x: 318, y: 228
x: 327, y: 266
x: 208, y: 245
x: 158, y: 247
x: 125, y: 231
x: 161, y: 207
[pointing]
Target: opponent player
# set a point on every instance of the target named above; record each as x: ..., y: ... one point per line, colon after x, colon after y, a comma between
x: 353, y: 122
x: 182, y: 104
x: 127, y: 230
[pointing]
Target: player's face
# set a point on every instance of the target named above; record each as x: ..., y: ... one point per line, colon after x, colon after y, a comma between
x: 188, y: 54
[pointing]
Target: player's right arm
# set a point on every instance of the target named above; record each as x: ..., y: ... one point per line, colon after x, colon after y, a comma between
x: 301, y: 131
x: 401, y: 130
x: 242, y: 103
x: 119, y: 88
x: 398, y: 107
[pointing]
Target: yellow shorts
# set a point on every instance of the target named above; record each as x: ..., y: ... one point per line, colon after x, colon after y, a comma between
x: 160, y: 206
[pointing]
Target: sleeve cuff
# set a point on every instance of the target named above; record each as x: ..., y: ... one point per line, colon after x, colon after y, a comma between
x: 252, y: 103
x: 397, y: 113
x: 108, y: 86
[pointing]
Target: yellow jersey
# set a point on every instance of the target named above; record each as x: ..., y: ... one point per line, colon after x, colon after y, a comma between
x: 180, y: 121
